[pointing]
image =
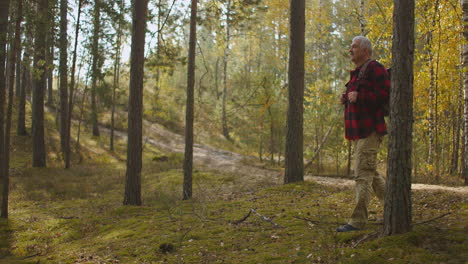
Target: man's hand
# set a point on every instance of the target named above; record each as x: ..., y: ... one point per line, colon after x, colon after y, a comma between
x: 352, y: 96
x: 343, y: 98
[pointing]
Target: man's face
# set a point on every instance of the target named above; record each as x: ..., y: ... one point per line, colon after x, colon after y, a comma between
x: 357, y: 53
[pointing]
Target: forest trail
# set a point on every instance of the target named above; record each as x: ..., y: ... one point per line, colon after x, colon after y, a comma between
x: 229, y: 162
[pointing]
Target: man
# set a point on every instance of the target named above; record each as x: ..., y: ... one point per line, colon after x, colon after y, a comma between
x: 366, y: 93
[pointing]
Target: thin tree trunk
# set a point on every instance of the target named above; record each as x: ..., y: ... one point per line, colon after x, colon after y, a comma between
x: 21, y: 128
x: 188, y: 159
x: 362, y: 18
x: 50, y: 59
x: 4, y: 8
x: 465, y: 90
x: 225, y: 69
x: 116, y: 75
x: 72, y: 74
x: 294, y: 167
x: 63, y: 68
x: 397, y: 209
x: 95, y: 68
x: 18, y: 70
x: 135, y: 106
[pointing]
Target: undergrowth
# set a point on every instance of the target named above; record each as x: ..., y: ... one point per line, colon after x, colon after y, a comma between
x: 77, y: 216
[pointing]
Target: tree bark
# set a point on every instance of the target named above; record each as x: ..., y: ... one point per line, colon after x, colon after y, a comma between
x: 397, y: 210
x: 294, y: 167
x: 118, y: 46
x: 95, y: 68
x: 4, y: 8
x: 63, y: 69
x: 188, y: 159
x: 72, y: 74
x: 225, y: 69
x: 42, y: 24
x: 25, y: 72
x: 135, y: 105
x: 465, y: 90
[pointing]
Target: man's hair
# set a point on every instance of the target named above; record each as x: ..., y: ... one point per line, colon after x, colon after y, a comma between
x: 364, y: 43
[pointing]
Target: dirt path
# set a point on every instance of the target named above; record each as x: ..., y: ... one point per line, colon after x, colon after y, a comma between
x: 249, y: 175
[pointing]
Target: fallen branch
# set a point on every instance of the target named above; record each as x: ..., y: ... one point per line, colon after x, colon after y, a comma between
x: 316, y: 222
x: 433, y: 219
x: 264, y: 218
x: 366, y: 237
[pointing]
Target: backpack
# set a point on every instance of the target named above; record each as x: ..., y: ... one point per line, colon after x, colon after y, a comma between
x: 385, y: 106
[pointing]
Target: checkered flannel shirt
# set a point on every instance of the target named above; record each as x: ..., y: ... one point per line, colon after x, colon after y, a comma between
x: 366, y: 115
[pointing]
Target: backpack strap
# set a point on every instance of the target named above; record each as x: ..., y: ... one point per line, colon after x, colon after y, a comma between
x: 363, y: 69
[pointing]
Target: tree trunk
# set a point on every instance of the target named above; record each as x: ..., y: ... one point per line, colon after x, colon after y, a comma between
x: 294, y: 167
x: 63, y: 69
x: 188, y: 159
x: 4, y: 8
x: 397, y: 210
x: 465, y: 90
x: 135, y: 105
x: 95, y: 68
x: 13, y: 60
x: 50, y: 42
x: 72, y: 74
x: 18, y: 70
x: 21, y: 128
x: 225, y: 69
x: 118, y: 46
x: 362, y: 18
x: 42, y: 24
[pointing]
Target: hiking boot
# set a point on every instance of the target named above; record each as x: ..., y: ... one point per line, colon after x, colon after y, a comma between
x: 347, y: 228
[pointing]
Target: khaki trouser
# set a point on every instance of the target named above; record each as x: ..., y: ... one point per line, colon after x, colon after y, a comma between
x: 366, y: 176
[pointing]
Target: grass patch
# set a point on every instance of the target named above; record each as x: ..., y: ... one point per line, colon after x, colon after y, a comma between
x: 77, y: 216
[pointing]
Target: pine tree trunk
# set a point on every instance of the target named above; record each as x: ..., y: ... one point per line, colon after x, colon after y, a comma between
x: 4, y: 8
x: 72, y: 74
x: 188, y: 159
x: 397, y: 210
x: 135, y: 105
x: 465, y: 90
x: 294, y: 167
x: 18, y: 70
x: 118, y: 46
x: 63, y: 72
x: 40, y: 51
x: 95, y: 68
x: 50, y: 42
x: 21, y: 128
x: 225, y: 69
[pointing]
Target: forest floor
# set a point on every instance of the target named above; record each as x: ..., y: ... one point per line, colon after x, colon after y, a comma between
x: 240, y: 213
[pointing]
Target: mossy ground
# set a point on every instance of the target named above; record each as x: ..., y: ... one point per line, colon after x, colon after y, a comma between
x: 77, y: 216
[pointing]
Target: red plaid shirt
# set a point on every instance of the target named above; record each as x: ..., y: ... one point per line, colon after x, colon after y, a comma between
x: 366, y: 115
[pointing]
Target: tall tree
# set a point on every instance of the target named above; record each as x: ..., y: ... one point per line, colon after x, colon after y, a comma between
x: 135, y: 105
x: 225, y: 70
x: 73, y: 69
x: 397, y: 212
x: 294, y: 167
x: 13, y: 60
x: 188, y: 160
x: 40, y: 72
x: 118, y: 47
x: 4, y: 8
x: 63, y: 72
x: 465, y: 89
x: 95, y: 69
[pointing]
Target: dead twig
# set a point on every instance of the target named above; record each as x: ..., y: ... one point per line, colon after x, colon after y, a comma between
x: 366, y: 237
x: 316, y: 222
x: 433, y: 219
x: 264, y: 218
